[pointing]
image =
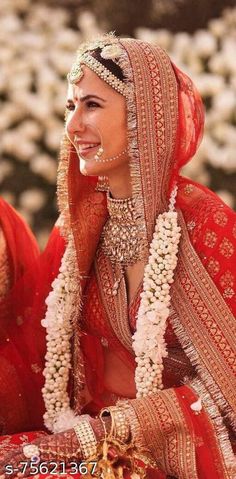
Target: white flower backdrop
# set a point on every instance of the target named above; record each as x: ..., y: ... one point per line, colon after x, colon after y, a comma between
x: 37, y: 47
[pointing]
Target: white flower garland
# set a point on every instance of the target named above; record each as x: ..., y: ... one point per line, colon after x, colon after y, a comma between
x: 149, y: 344
x: 148, y: 340
x: 61, y: 308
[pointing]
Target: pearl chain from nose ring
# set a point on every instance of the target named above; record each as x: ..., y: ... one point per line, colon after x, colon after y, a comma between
x: 101, y: 151
x: 106, y: 160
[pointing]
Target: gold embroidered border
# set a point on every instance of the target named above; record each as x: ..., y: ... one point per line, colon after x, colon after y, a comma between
x: 64, y: 202
x: 154, y: 84
x: 228, y: 460
x: 5, y: 272
x: 133, y: 144
x: 204, y: 325
x: 62, y: 185
x: 167, y: 434
x: 135, y: 429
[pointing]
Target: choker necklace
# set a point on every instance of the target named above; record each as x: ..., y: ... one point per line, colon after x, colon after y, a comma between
x: 120, y: 240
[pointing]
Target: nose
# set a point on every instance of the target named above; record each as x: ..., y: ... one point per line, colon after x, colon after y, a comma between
x: 75, y: 123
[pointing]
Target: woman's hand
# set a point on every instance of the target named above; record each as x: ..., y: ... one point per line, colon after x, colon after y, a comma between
x: 62, y: 447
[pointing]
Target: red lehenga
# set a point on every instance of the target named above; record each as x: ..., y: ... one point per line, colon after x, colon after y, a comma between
x: 185, y: 443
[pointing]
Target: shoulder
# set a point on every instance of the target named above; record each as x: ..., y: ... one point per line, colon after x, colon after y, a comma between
x: 202, y: 206
x: 211, y: 227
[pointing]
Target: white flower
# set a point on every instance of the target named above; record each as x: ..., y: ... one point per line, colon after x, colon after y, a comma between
x: 225, y: 133
x: 6, y: 169
x: 60, y: 311
x: 145, y: 34
x: 44, y: 166
x: 226, y: 197
x: 204, y: 43
x: 111, y: 52
x: 88, y: 25
x: 217, y: 63
x: 209, y: 84
x: 163, y: 38
x: 32, y: 200
x: 217, y: 27
x: 228, y: 50
x: 148, y: 340
x: 225, y: 103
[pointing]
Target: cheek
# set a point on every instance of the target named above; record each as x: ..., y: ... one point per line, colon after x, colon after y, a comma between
x: 115, y: 130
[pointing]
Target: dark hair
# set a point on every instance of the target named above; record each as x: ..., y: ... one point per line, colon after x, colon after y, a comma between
x: 109, y: 64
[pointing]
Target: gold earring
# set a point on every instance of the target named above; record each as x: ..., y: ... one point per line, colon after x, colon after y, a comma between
x: 102, y: 184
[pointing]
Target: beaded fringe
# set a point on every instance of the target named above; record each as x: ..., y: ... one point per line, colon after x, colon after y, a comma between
x: 62, y: 186
x: 209, y: 392
x: 220, y: 429
x: 203, y: 374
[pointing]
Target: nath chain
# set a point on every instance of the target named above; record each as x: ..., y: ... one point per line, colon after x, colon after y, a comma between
x: 112, y: 158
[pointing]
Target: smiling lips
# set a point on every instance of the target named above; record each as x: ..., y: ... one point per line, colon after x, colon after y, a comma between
x: 86, y: 148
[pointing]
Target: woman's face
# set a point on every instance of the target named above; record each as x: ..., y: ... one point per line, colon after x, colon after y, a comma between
x: 97, y: 117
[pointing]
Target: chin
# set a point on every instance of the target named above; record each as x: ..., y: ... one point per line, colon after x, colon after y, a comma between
x: 91, y: 168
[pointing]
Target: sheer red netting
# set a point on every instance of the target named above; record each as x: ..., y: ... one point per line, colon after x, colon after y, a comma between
x: 22, y: 339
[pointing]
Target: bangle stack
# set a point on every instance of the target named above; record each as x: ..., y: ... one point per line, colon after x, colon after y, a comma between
x: 86, y: 438
x: 56, y: 454
x: 120, y: 428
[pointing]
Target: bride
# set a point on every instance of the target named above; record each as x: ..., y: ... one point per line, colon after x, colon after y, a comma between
x: 138, y: 276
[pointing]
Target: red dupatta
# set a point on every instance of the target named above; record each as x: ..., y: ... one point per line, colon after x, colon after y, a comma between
x: 18, y: 359
x: 22, y: 339
x: 161, y: 139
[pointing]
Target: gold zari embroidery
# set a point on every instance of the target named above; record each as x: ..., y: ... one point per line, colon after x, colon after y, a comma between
x: 166, y: 433
x: 207, y: 329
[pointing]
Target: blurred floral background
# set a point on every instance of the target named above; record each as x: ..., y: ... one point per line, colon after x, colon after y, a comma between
x: 38, y: 41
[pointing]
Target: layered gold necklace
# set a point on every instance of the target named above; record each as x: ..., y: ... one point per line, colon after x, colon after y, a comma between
x: 120, y: 240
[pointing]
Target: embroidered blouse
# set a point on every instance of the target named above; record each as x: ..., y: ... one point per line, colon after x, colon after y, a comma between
x: 176, y: 365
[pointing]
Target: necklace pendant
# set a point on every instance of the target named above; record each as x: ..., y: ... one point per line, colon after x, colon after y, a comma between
x: 120, y: 239
x: 116, y: 287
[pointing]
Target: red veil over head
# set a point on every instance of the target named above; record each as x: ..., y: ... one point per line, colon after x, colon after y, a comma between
x: 173, y: 127
x: 165, y: 124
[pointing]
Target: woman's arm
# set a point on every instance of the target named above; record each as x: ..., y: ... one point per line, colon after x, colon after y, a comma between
x: 183, y: 428
x: 184, y: 433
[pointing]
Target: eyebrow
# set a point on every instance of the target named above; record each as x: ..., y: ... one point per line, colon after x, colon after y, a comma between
x: 87, y: 97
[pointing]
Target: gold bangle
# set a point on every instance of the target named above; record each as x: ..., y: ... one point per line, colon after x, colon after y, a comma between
x: 120, y: 428
x: 87, y: 439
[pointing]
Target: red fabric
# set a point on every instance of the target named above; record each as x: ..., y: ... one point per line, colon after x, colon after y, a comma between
x: 212, y: 230
x: 207, y: 452
x: 88, y: 214
x: 18, y: 382
x: 9, y: 443
x: 22, y: 338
